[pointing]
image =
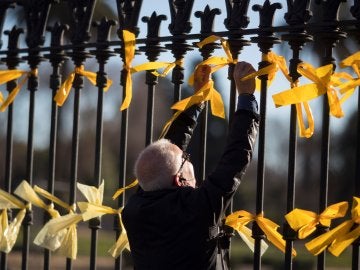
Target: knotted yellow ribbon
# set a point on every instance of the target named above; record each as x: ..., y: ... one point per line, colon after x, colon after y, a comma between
x: 10, y: 231
x: 304, y: 222
x: 49, y: 241
x: 26, y: 192
x: 267, y: 226
x: 245, y: 233
x: 205, y: 93
x: 129, y: 49
x: 59, y: 233
x: 166, y: 66
x: 215, y: 62
x: 94, y: 208
x: 347, y: 232
x: 347, y: 89
x: 122, y: 241
x: 65, y: 88
x: 276, y: 62
x: 320, y: 243
x: 324, y: 80
x: 9, y: 75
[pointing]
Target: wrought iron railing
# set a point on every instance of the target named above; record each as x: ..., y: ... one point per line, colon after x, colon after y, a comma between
x: 298, y: 29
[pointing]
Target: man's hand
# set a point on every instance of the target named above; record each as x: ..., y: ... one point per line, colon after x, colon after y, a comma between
x: 201, y: 77
x: 241, y: 70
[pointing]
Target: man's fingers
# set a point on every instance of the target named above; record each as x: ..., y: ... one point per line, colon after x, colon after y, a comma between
x: 242, y: 69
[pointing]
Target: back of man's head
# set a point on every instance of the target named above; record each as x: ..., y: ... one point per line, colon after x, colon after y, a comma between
x: 157, y: 164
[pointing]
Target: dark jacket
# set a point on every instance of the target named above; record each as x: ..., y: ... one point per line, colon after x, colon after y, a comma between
x: 176, y: 228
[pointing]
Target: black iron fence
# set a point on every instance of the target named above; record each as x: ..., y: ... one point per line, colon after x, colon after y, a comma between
x: 59, y: 34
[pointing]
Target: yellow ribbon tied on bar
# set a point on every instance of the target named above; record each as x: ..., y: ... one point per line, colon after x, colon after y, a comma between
x: 122, y: 241
x: 216, y: 62
x: 94, y: 208
x: 59, y: 233
x: 348, y: 231
x: 206, y: 93
x: 347, y: 89
x: 267, y: 226
x: 129, y: 48
x: 9, y: 75
x: 320, y: 243
x: 9, y: 231
x: 304, y: 221
x: 65, y: 88
x: 166, y: 66
x: 325, y: 82
x: 245, y: 233
x: 49, y: 241
x: 276, y: 63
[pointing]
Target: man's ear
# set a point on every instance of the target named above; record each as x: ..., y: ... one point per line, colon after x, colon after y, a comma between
x: 176, y: 181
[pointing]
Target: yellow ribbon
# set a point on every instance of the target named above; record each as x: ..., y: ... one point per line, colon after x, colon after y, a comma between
x: 347, y: 234
x: 206, y: 93
x: 94, y: 208
x: 276, y: 62
x: 304, y: 222
x: 129, y: 48
x: 121, y: 190
x: 215, y: 62
x: 122, y: 241
x: 10, y: 231
x: 347, y: 89
x: 166, y: 66
x: 26, y: 192
x: 267, y: 226
x: 9, y: 75
x: 65, y: 88
x: 324, y: 80
x: 320, y: 243
x: 245, y: 233
x: 60, y: 233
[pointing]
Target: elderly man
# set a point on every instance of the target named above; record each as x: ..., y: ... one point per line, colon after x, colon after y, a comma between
x: 171, y: 224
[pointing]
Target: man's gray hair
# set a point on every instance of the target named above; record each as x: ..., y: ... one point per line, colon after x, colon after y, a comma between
x: 157, y: 164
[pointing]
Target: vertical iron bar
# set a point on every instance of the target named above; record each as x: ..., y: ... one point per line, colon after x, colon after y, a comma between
x: 56, y: 58
x: 236, y: 20
x: 207, y: 18
x: 123, y: 156
x: 36, y: 19
x: 12, y: 60
x: 152, y: 50
x: 128, y: 14
x: 265, y: 41
x: 102, y: 54
x: 82, y: 12
x: 296, y: 39
x: 328, y: 36
x: 180, y: 14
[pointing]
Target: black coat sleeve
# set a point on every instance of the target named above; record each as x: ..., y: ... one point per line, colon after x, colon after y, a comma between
x: 182, y: 128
